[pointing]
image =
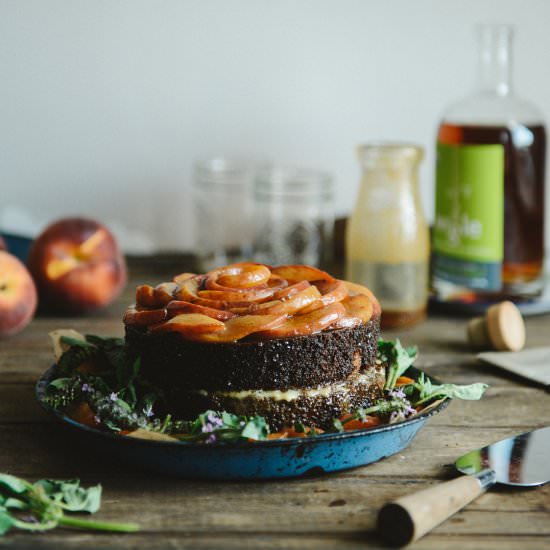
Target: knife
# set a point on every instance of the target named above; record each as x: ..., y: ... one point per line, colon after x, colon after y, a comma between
x: 520, y: 461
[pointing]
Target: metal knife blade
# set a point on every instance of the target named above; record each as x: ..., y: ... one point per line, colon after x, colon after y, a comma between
x: 522, y: 460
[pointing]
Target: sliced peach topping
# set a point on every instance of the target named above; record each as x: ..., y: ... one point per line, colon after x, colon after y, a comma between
x: 144, y: 317
x: 240, y: 327
x: 190, y: 325
x: 164, y: 293
x: 307, y: 323
x: 175, y: 307
x: 301, y: 273
x: 233, y: 302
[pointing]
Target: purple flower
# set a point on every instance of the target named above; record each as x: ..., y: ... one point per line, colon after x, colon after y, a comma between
x: 113, y: 396
x: 207, y: 428
x: 399, y: 393
x: 86, y: 387
x: 30, y: 519
x: 148, y: 411
x: 97, y: 419
x: 214, y: 420
x: 210, y: 439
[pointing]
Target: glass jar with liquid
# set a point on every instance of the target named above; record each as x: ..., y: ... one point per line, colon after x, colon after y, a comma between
x: 387, y: 240
x: 488, y: 238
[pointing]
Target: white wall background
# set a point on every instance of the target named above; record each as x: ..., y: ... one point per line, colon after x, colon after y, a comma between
x: 105, y: 104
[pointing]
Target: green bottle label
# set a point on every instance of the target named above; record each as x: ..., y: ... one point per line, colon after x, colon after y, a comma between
x: 468, y: 238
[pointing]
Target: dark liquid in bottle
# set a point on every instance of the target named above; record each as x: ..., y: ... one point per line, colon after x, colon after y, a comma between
x: 524, y: 157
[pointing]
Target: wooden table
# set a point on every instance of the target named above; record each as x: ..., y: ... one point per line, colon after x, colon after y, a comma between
x: 330, y: 511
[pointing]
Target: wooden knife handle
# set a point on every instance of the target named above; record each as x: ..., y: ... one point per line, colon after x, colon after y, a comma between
x: 410, y: 517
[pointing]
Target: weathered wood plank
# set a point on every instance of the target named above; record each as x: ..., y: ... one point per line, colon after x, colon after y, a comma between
x: 279, y: 541
x: 177, y: 507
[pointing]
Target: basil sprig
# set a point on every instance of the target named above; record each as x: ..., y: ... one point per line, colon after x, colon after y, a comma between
x: 42, y: 506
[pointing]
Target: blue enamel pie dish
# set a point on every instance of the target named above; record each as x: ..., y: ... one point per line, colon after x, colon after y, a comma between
x: 284, y: 458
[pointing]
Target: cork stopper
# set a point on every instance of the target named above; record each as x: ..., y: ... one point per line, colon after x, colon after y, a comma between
x: 501, y: 328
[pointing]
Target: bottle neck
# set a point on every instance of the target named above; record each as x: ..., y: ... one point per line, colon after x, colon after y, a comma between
x: 495, y: 59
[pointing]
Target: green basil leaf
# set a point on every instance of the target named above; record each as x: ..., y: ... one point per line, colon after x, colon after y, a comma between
x: 471, y: 392
x: 255, y: 428
x: 14, y: 484
x: 15, y: 504
x: 104, y: 341
x: 337, y: 424
x: 71, y: 495
x: 75, y: 342
x: 7, y: 521
x: 60, y: 383
x: 79, y: 499
x: 229, y: 420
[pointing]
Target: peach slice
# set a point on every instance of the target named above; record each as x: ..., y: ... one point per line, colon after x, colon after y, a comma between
x: 190, y: 325
x: 175, y: 307
x: 291, y: 305
x: 254, y: 295
x: 355, y: 288
x: 144, y: 317
x: 183, y: 277
x: 290, y: 290
x: 240, y: 327
x: 331, y: 292
x: 188, y: 292
x: 307, y: 323
x: 82, y: 413
x: 301, y: 273
x: 238, y: 277
x: 359, y: 309
x: 164, y: 293
x: 145, y: 296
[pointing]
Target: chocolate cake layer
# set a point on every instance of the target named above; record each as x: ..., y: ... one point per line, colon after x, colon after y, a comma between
x: 317, y: 408
x: 319, y: 359
x: 284, y: 408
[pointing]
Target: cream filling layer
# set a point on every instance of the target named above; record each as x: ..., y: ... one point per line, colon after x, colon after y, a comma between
x: 292, y: 394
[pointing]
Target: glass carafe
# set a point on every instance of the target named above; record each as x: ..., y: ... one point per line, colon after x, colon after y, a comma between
x: 387, y: 240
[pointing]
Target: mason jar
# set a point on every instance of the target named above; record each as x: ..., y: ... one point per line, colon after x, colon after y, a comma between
x: 293, y: 215
x: 222, y: 210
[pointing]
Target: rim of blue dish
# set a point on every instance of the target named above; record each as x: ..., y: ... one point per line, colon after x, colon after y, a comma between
x: 431, y: 410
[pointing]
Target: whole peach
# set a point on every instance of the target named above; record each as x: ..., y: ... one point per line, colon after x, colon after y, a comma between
x: 77, y: 266
x: 17, y: 295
